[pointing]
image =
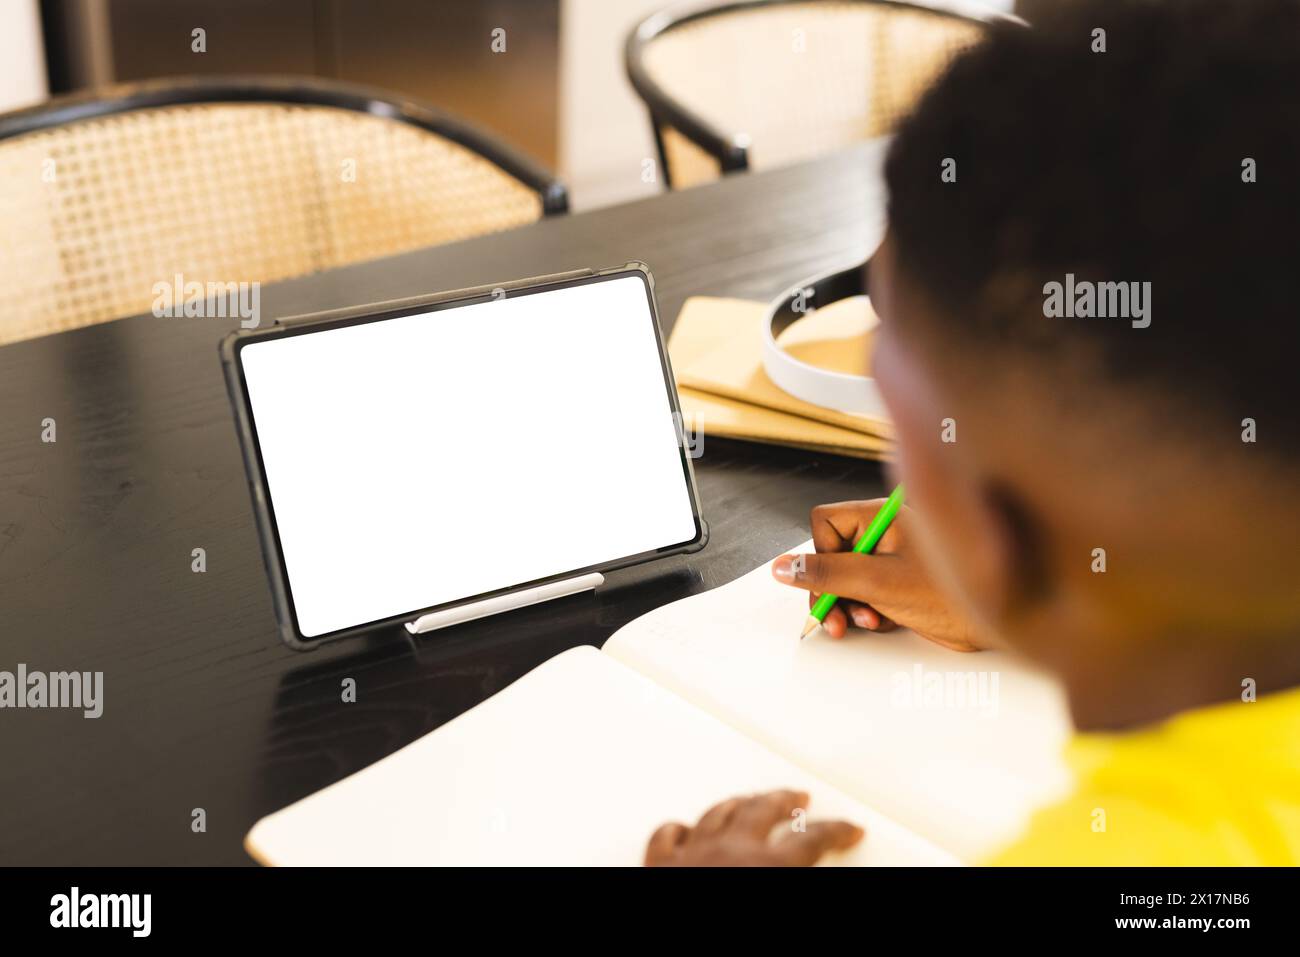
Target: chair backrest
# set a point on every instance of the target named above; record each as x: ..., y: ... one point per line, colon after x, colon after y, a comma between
x: 762, y: 83
x: 233, y: 180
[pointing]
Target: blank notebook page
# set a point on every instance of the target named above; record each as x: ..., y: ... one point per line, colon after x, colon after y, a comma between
x: 878, y: 715
x: 401, y: 454
x: 576, y: 763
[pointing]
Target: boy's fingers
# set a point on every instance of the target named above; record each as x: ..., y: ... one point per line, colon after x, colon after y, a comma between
x: 862, y: 615
x: 715, y: 819
x: 835, y: 623
x: 842, y: 573
x: 837, y: 527
x: 664, y: 842
x: 847, y: 613
x: 805, y: 848
x: 759, y: 814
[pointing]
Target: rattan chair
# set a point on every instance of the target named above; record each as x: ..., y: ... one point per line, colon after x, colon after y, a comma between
x: 248, y: 179
x: 763, y: 83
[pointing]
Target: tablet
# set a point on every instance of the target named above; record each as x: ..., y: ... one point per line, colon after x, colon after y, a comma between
x: 414, y: 456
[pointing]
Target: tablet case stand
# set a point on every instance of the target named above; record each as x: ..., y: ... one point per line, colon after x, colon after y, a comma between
x: 470, y: 611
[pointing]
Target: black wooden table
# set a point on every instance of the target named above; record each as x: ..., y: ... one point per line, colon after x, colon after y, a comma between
x: 203, y: 707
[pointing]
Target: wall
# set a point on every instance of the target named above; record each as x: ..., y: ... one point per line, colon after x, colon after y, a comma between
x: 22, y: 58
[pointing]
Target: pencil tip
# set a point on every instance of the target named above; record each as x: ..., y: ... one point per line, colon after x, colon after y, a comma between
x: 809, y: 627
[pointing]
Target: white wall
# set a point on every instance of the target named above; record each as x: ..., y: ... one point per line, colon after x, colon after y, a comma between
x: 22, y: 55
x: 604, y: 129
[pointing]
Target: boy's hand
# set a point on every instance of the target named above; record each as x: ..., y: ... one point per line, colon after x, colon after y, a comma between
x: 736, y: 833
x: 890, y: 586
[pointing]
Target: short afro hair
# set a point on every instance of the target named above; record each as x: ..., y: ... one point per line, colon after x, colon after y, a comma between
x: 1124, y: 165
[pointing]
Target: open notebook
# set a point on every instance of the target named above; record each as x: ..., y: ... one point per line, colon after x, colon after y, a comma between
x: 940, y: 756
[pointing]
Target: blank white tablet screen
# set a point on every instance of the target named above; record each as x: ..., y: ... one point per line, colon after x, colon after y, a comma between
x: 434, y: 457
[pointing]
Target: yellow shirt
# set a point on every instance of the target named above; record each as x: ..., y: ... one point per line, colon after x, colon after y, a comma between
x: 1216, y: 785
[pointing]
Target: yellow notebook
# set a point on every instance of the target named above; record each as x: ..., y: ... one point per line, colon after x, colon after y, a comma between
x: 716, y: 350
x: 733, y: 419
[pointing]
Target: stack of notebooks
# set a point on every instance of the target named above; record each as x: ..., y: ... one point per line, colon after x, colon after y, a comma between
x: 717, y: 353
x: 941, y: 756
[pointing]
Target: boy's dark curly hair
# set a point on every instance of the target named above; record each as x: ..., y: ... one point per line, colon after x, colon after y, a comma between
x: 1125, y: 165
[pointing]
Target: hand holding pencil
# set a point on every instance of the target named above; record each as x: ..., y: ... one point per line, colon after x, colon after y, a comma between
x: 883, y: 585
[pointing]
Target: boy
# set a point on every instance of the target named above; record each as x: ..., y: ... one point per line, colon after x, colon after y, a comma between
x: 1119, y: 503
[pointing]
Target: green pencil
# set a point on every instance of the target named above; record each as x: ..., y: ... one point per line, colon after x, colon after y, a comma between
x: 870, y: 538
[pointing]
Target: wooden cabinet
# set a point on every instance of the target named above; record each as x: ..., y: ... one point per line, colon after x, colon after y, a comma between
x: 438, y: 51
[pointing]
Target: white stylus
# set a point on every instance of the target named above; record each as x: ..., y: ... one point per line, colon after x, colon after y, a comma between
x: 492, y: 606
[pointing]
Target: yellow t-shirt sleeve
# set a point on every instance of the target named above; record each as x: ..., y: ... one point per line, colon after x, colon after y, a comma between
x: 1094, y: 829
x: 1215, y: 786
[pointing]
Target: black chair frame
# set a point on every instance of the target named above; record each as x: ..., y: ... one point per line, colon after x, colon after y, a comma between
x: 295, y: 90
x: 730, y: 150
